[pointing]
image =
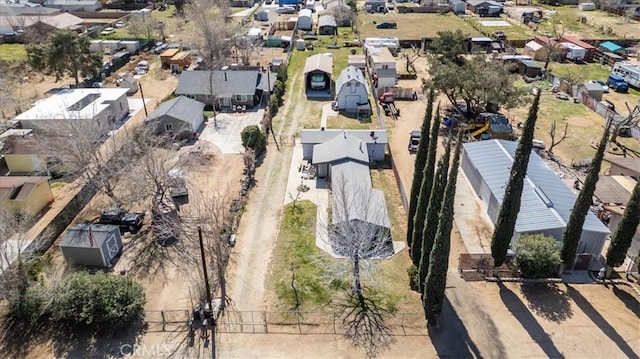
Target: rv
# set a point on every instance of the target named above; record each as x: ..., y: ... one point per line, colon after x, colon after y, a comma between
x: 574, y: 52
x: 391, y: 42
x: 629, y: 71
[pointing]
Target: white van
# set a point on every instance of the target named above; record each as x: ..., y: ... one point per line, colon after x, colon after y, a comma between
x: 142, y: 68
x: 178, y: 185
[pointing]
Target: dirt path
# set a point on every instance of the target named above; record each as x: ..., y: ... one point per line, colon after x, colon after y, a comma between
x: 259, y: 226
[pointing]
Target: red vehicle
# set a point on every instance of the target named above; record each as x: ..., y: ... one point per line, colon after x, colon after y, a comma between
x: 387, y: 97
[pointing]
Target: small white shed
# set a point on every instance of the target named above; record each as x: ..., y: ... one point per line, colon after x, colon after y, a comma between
x: 305, y: 20
x: 94, y: 245
x: 351, y: 89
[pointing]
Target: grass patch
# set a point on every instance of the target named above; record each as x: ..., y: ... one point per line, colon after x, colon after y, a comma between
x: 413, y: 26
x: 513, y: 32
x: 348, y: 123
x: 13, y: 53
x: 297, y: 253
x: 587, y: 71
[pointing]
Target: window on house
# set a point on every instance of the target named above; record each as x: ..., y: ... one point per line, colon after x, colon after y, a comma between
x: 385, y: 67
x: 168, y: 127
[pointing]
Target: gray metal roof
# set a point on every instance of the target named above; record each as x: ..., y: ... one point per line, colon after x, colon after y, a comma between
x: 318, y: 136
x: 78, y: 236
x: 494, y: 158
x: 327, y: 20
x: 320, y: 62
x: 632, y: 164
x: 223, y: 83
x: 23, y: 9
x: 263, y: 82
x: 479, y: 2
x: 349, y: 74
x: 341, y: 147
x: 352, y: 192
x: 181, y: 108
x: 610, y: 191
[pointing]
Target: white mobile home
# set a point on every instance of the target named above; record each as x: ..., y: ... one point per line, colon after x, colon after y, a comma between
x: 630, y: 71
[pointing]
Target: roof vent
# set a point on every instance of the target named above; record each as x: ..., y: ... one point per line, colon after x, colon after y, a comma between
x: 543, y: 196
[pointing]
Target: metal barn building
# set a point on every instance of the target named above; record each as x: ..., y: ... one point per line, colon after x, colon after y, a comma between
x: 94, y: 245
x: 546, y: 200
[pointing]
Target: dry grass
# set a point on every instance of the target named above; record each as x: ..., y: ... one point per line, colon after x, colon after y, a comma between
x: 413, y: 26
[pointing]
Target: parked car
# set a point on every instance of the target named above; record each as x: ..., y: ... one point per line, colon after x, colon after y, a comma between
x: 386, y: 25
x: 414, y: 140
x: 391, y: 5
x: 285, y: 10
x: 142, y: 68
x: 617, y: 83
x: 120, y: 24
x: 604, y: 86
x: 159, y: 47
x: 127, y: 221
x: 108, y: 31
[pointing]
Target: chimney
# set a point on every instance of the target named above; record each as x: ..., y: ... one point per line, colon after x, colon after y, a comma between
x: 372, y: 134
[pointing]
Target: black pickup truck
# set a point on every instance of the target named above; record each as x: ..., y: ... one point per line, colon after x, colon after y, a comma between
x: 127, y: 221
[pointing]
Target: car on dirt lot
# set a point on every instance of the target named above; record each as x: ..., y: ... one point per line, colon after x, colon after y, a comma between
x: 414, y: 140
x: 127, y: 221
x: 285, y: 10
x: 386, y: 25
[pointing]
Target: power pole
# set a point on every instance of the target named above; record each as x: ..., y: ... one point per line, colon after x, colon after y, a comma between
x: 146, y: 114
x: 269, y: 107
x: 208, y: 307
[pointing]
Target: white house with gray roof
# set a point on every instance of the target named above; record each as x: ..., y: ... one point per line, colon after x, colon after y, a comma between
x: 178, y: 115
x: 546, y: 200
x: 352, y: 91
x: 373, y: 141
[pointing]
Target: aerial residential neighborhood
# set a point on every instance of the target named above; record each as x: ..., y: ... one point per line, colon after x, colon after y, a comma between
x: 320, y: 179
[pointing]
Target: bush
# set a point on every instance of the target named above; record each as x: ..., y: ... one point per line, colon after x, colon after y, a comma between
x: 97, y: 299
x: 413, y: 278
x: 27, y: 306
x: 253, y: 138
x: 537, y: 256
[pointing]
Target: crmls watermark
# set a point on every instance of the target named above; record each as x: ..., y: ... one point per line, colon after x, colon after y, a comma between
x: 141, y: 350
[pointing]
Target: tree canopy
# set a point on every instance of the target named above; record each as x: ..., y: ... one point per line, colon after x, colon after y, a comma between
x: 482, y: 85
x: 65, y: 53
x: 537, y: 256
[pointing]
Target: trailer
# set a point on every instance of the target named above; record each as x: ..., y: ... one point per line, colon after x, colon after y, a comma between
x: 629, y: 71
x: 574, y: 52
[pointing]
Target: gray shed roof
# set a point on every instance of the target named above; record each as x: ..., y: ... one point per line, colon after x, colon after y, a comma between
x: 494, y: 159
x: 320, y: 62
x: 479, y: 2
x: 225, y: 83
x: 318, y: 136
x: 632, y: 164
x: 351, y: 183
x: 341, y: 147
x: 609, y: 190
x: 78, y: 236
x: 181, y: 108
x: 350, y: 73
x: 327, y: 20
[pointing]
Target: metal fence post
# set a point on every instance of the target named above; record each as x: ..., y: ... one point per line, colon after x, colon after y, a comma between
x: 402, y: 325
x: 266, y: 328
x: 163, y: 320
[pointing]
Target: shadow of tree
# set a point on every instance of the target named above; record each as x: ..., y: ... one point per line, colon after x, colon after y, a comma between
x: 628, y: 299
x: 528, y: 322
x: 601, y: 322
x: 452, y: 339
x: 70, y: 341
x: 548, y: 301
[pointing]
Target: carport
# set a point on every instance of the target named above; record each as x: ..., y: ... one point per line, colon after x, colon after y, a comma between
x: 317, y: 73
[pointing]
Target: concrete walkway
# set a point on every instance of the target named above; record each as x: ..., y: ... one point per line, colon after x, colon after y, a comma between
x: 225, y: 131
x: 327, y: 111
x: 474, y: 224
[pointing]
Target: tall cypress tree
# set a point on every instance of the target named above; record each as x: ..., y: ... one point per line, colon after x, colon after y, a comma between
x: 433, y: 212
x: 436, y: 281
x: 573, y: 231
x: 622, y: 237
x: 425, y: 189
x: 421, y: 159
x: 508, y: 214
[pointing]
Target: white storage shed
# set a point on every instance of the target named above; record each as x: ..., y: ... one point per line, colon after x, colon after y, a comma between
x: 305, y: 20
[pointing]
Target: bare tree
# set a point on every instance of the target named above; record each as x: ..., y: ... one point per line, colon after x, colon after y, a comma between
x: 359, y: 231
x: 14, y: 261
x: 141, y: 25
x: 412, y: 58
x: 246, y: 48
x: 632, y: 118
x: 552, y: 134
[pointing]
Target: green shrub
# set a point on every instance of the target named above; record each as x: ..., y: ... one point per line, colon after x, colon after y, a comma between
x: 27, y: 306
x: 537, y: 256
x: 413, y: 277
x: 98, y: 299
x: 254, y: 138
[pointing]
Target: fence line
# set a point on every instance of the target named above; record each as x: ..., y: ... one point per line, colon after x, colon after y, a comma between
x: 296, y: 323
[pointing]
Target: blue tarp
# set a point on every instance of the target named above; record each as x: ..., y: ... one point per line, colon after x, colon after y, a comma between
x: 611, y: 47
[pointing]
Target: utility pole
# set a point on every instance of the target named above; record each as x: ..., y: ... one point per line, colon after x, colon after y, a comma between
x: 208, y: 313
x: 269, y: 107
x: 146, y: 114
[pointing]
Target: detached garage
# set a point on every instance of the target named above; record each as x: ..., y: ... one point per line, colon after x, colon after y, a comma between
x: 317, y: 73
x: 546, y: 200
x: 94, y: 245
x: 352, y: 90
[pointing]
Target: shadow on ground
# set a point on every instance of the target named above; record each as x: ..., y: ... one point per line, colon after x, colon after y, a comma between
x: 548, y: 301
x: 452, y: 339
x: 68, y: 342
x: 528, y: 322
x: 601, y: 322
